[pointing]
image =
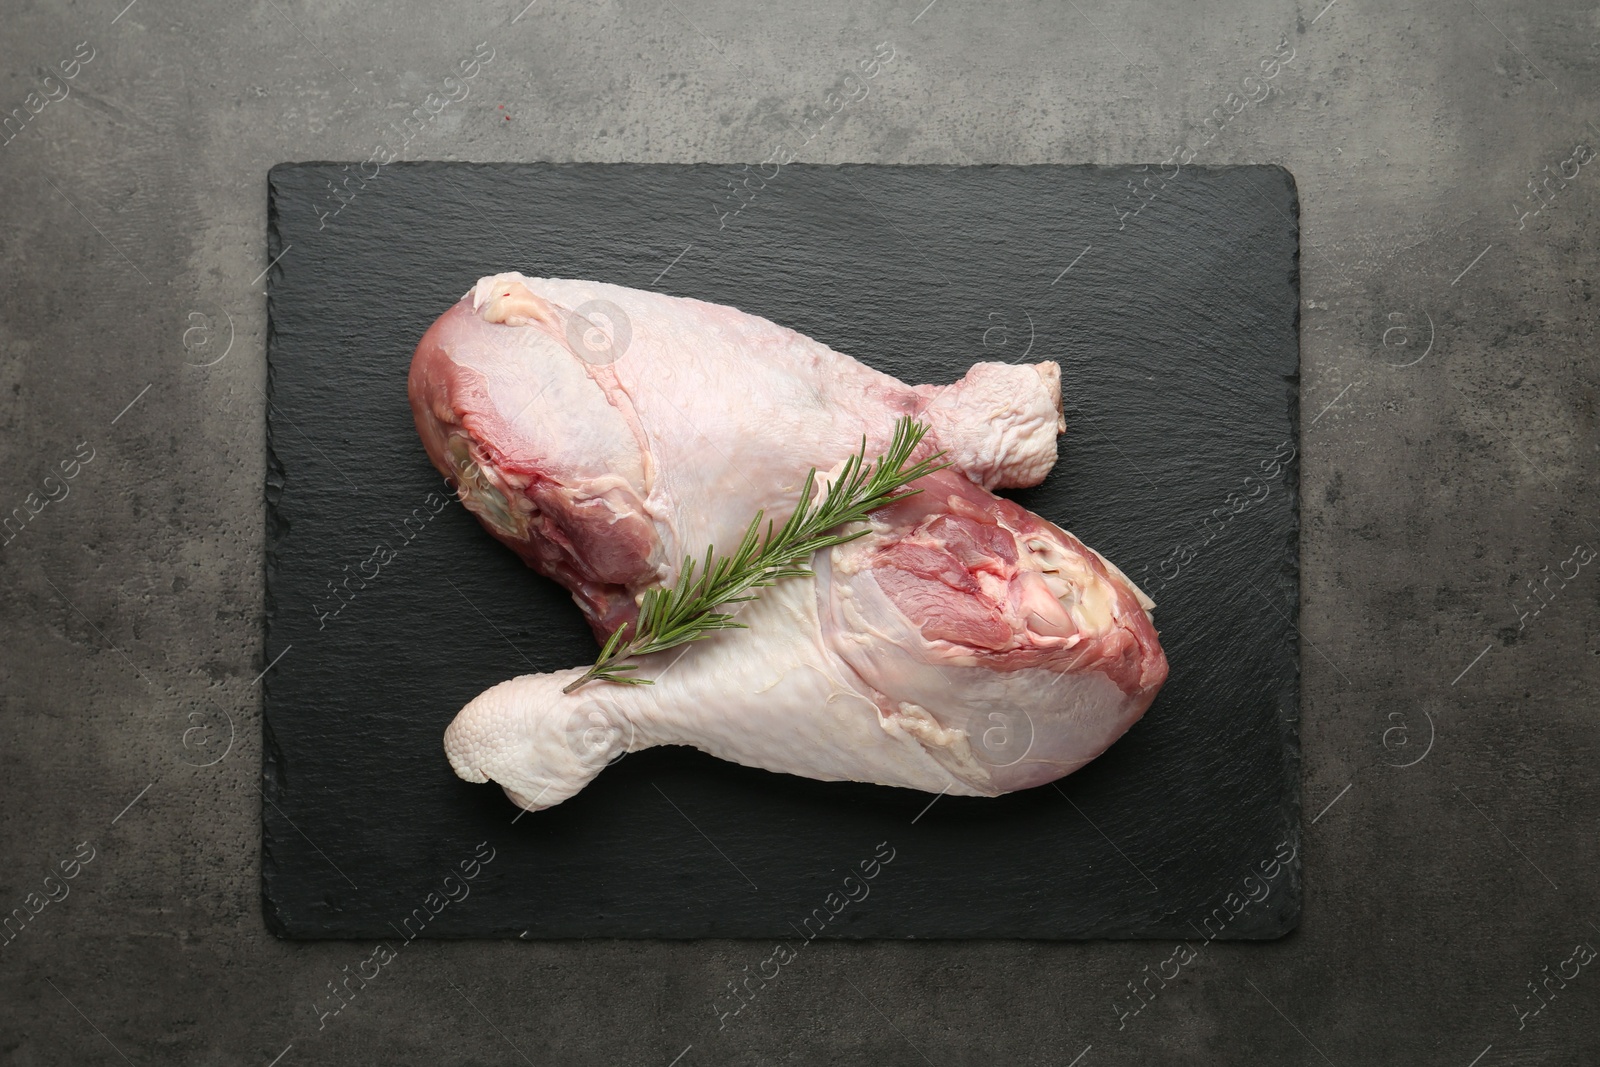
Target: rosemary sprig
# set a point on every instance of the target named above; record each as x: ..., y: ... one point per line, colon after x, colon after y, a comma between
x: 686, y: 612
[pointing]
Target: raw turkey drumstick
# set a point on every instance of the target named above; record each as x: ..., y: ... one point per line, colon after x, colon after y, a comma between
x: 606, y: 433
x: 963, y: 645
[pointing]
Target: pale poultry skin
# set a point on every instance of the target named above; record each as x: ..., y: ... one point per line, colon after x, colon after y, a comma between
x: 603, y: 459
x: 964, y: 645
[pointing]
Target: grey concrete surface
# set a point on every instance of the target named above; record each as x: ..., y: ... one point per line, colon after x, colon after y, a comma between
x: 1450, y: 449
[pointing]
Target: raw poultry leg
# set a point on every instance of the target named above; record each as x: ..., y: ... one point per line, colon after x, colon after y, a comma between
x: 606, y: 433
x: 963, y: 644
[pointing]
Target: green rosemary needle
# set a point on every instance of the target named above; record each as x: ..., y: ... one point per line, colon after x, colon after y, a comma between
x: 687, y: 611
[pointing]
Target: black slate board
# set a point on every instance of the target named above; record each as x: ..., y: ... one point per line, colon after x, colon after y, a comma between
x: 1176, y: 329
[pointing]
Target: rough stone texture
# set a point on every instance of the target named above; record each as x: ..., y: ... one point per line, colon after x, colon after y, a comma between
x: 1431, y: 493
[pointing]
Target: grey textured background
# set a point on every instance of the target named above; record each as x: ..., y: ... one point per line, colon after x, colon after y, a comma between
x: 1435, y: 893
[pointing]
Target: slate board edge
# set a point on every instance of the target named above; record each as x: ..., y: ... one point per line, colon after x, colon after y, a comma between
x: 1289, y: 725
x: 272, y: 763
